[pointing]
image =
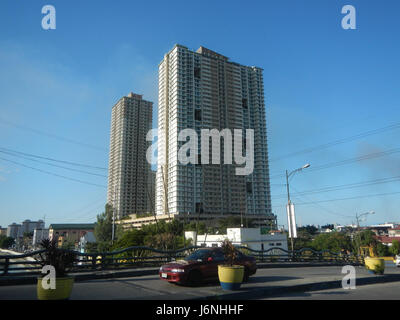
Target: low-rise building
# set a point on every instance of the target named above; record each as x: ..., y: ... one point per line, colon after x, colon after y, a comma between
x: 394, y: 232
x: 70, y: 233
x: 387, y: 240
x: 3, y: 231
x: 253, y: 238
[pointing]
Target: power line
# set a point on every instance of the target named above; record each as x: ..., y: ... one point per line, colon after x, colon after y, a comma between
x: 52, y: 159
x: 25, y: 128
x: 84, y: 208
x: 315, y: 203
x: 347, y: 161
x: 54, y: 165
x: 345, y: 186
x: 351, y: 198
x: 339, y: 141
x: 53, y: 174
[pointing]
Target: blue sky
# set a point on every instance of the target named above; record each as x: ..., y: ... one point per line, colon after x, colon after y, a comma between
x: 322, y: 84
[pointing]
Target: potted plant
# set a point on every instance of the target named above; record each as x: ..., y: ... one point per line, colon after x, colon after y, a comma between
x: 230, y: 275
x: 62, y: 260
x: 373, y: 263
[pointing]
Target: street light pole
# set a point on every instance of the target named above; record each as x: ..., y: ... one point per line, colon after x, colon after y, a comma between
x: 289, y: 203
x: 363, y: 214
x: 289, y: 208
x: 358, y: 237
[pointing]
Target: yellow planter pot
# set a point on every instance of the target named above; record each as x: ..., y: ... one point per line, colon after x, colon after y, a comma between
x: 61, y: 292
x: 375, y: 265
x: 230, y: 277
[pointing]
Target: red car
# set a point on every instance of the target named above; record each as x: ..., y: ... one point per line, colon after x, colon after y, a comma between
x: 202, y: 266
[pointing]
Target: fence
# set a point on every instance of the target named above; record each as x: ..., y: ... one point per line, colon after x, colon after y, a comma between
x: 136, y: 257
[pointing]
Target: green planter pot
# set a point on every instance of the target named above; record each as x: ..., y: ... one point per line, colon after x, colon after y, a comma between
x: 230, y: 277
x: 61, y: 292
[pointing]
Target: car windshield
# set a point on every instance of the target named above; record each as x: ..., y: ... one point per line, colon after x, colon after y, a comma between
x: 198, y: 255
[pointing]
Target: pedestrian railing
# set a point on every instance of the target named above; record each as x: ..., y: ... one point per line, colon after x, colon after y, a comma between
x: 141, y: 256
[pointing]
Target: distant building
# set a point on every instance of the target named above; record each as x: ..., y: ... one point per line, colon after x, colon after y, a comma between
x: 128, y: 168
x: 3, y: 231
x: 394, y: 232
x: 70, y: 233
x: 28, y: 226
x: 253, y: 238
x: 39, y: 235
x: 387, y: 240
x: 14, y: 230
x: 84, y: 240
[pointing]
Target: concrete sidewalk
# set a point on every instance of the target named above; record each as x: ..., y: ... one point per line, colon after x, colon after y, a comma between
x: 267, y: 282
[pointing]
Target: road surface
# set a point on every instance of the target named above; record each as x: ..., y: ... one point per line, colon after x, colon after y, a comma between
x: 385, y: 291
x: 151, y: 287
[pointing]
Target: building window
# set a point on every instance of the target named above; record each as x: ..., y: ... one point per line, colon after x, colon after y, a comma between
x: 244, y: 103
x: 249, y: 187
x: 197, y: 115
x: 199, y: 207
x: 197, y: 72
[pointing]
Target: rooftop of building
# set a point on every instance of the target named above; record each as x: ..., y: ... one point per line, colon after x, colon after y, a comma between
x: 72, y: 226
x: 209, y: 53
x: 132, y: 95
x: 387, y: 239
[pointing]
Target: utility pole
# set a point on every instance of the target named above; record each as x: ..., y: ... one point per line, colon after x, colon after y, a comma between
x: 153, y: 211
x: 165, y: 193
x: 113, y: 215
x: 290, y: 208
x: 358, y: 219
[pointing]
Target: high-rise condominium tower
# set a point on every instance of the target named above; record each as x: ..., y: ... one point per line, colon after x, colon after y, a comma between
x: 128, y: 169
x: 204, y: 90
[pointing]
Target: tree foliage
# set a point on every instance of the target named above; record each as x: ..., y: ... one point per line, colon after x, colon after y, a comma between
x: 103, y: 230
x: 333, y: 241
x: 6, y: 242
x: 395, y: 248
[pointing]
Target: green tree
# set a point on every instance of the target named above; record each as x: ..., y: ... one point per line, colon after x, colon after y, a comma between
x: 131, y: 238
x: 6, y: 242
x: 333, y: 241
x: 382, y: 250
x: 103, y: 229
x: 395, y: 247
x: 365, y: 238
x: 311, y: 230
x: 303, y: 240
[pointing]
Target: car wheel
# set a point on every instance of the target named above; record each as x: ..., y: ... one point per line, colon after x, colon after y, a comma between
x: 194, y: 278
x: 246, y: 274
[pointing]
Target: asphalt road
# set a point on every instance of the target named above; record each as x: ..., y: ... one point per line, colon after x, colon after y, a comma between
x: 385, y: 291
x: 151, y: 287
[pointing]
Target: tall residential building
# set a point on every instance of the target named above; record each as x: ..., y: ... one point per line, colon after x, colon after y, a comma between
x: 28, y: 226
x: 128, y: 168
x: 204, y: 90
x: 14, y: 230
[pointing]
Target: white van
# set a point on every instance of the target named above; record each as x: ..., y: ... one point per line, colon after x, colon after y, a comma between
x: 397, y: 261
